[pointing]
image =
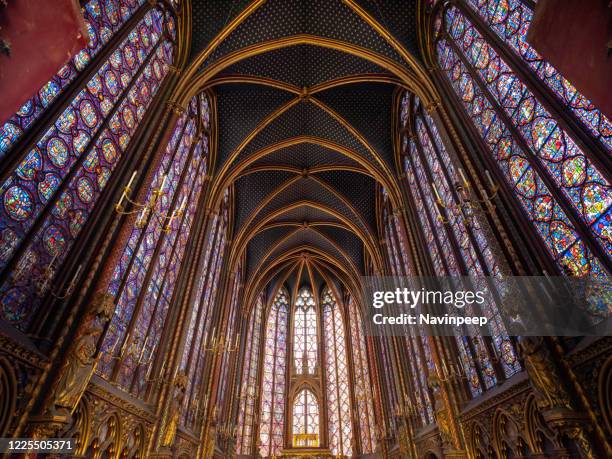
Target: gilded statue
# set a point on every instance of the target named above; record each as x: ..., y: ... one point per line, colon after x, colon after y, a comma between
x: 80, y: 361
x: 441, y: 412
x: 172, y: 420
x: 543, y: 374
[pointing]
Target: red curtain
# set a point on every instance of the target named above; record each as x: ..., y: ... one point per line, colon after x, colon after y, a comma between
x: 43, y: 35
x: 574, y: 35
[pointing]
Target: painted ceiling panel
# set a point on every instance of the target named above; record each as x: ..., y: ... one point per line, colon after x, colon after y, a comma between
x: 263, y: 82
x: 310, y: 65
x: 283, y: 18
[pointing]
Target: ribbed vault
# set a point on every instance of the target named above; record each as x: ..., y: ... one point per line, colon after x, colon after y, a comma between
x: 305, y: 94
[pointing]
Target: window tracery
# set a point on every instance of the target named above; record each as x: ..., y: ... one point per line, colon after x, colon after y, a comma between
x: 459, y: 236
x: 305, y: 418
x: 363, y: 385
x: 305, y: 338
x: 102, y: 21
x: 556, y: 180
x: 194, y: 359
x: 272, y: 421
x: 337, y: 377
x: 50, y: 196
x: 249, y: 379
x: 143, y: 282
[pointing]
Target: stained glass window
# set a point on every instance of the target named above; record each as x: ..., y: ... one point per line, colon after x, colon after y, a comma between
x: 417, y: 348
x: 337, y: 377
x: 305, y: 338
x: 103, y: 18
x: 395, y: 241
x: 561, y: 189
x: 394, y: 257
x: 231, y: 340
x: 400, y: 265
x: 272, y: 421
x: 510, y: 20
x: 305, y: 417
x: 435, y: 185
x: 194, y: 358
x: 49, y: 198
x: 389, y: 373
x: 363, y: 386
x: 144, y: 281
x: 248, y: 387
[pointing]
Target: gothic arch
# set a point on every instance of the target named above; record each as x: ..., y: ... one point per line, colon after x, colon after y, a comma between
x: 8, y: 395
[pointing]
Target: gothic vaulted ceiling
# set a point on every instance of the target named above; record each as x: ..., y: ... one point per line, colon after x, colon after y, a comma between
x: 304, y: 94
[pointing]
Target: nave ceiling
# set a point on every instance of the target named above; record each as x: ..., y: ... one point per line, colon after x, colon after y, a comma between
x: 305, y: 94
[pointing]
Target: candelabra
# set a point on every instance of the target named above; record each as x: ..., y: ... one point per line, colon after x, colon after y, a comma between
x: 452, y: 372
x: 70, y: 289
x: 135, y: 352
x: 197, y: 407
x: 43, y: 280
x: 482, y: 353
x: 220, y: 345
x: 147, y: 208
x: 467, y: 204
x: 405, y: 409
x: 228, y: 431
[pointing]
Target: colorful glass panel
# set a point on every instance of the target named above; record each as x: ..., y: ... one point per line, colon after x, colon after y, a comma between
x: 305, y: 340
x: 565, y: 167
x: 73, y: 206
x: 272, y: 421
x: 339, y: 421
x: 61, y: 150
x: 363, y: 386
x: 156, y: 301
x: 248, y: 386
x: 305, y: 414
x: 573, y: 173
x: 510, y: 21
x: 170, y: 172
x: 231, y: 340
x: 194, y: 400
x: 431, y: 163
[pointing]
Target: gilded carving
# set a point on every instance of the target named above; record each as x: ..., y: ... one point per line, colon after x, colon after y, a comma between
x: 441, y: 412
x: 80, y: 362
x: 170, y: 423
x: 209, y: 442
x: 543, y: 374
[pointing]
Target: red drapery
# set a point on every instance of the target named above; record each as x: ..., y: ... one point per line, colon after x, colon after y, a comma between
x: 43, y: 36
x: 574, y: 35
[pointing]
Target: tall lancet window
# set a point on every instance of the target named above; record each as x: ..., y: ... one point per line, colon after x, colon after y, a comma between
x: 337, y: 377
x: 144, y: 280
x: 363, y: 385
x: 248, y: 387
x: 55, y: 176
x: 544, y: 140
x: 395, y: 240
x: 432, y: 178
x: 272, y: 421
x: 232, y: 337
x: 199, y: 331
x: 305, y: 336
x: 305, y: 426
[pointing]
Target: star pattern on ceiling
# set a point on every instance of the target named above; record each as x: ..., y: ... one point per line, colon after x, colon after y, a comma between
x: 305, y: 94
